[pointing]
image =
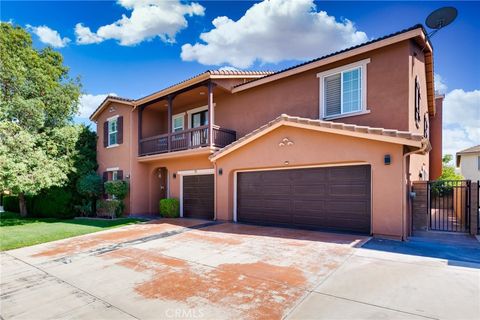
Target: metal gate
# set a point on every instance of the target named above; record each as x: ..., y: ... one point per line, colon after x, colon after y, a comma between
x: 449, y: 205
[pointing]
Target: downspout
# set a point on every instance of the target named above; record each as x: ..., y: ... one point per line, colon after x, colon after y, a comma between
x: 425, y: 146
x: 215, y: 186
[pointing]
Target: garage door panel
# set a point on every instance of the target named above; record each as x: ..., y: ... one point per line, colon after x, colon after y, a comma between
x: 198, y: 196
x: 317, y: 190
x: 332, y: 198
x: 352, y: 190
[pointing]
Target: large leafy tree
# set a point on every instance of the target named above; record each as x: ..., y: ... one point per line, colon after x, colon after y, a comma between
x: 38, y: 100
x: 448, y: 170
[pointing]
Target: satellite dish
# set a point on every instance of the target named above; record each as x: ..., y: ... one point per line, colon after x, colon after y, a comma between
x: 441, y: 17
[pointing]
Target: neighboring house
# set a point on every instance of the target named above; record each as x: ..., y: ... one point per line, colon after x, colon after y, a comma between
x: 332, y: 143
x: 469, y: 162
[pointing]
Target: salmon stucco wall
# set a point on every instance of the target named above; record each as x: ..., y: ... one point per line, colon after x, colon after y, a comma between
x: 298, y: 95
x: 312, y: 148
x: 118, y: 156
x: 419, y: 164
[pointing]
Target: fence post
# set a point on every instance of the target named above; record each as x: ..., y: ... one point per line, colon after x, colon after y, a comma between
x: 474, y: 208
x: 420, y: 206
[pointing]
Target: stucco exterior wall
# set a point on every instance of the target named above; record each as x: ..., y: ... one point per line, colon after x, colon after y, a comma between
x: 436, y: 139
x: 469, y: 166
x: 115, y: 156
x: 419, y: 164
x: 387, y: 95
x: 313, y: 148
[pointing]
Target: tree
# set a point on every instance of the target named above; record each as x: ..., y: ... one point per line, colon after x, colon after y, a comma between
x: 90, y: 186
x: 38, y: 100
x: 448, y: 170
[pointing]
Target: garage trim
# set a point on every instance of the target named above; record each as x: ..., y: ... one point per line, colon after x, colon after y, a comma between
x: 330, y: 165
x: 197, y: 172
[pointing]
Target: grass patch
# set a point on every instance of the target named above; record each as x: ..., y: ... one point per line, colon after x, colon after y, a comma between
x: 18, y: 232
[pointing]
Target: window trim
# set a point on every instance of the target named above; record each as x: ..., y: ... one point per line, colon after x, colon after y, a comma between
x: 195, y: 110
x: 362, y: 64
x: 110, y: 120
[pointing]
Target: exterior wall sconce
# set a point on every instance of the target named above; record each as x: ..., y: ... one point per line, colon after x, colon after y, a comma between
x: 286, y: 163
x: 387, y: 160
x: 127, y: 176
x: 220, y: 171
x: 285, y: 142
x: 174, y: 176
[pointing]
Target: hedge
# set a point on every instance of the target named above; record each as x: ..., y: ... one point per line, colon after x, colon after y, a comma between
x: 53, y: 203
x: 169, y: 208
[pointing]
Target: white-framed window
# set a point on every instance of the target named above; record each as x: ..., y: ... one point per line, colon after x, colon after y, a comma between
x: 178, y: 122
x: 343, y: 90
x: 112, y: 131
x: 115, y: 175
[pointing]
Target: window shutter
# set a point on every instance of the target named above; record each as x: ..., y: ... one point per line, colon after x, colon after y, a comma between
x: 333, y: 101
x: 120, y: 130
x: 105, y: 179
x: 120, y: 175
x: 105, y: 134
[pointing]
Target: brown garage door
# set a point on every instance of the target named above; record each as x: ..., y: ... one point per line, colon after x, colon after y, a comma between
x: 198, y: 196
x: 336, y: 198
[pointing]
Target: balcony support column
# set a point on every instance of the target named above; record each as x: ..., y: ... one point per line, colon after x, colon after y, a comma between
x: 169, y: 121
x: 140, y: 114
x: 211, y: 113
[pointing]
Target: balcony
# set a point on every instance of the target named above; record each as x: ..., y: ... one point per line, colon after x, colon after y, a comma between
x: 186, y: 139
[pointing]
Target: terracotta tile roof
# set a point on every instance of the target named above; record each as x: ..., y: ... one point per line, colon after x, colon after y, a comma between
x: 338, y: 52
x: 325, y: 124
x: 216, y: 73
x: 473, y: 149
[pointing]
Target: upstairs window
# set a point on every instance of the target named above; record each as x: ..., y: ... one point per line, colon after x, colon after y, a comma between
x: 178, y: 123
x: 112, y: 131
x: 343, y: 90
x: 417, y: 103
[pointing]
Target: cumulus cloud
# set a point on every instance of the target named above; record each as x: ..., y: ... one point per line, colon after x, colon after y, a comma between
x: 49, y: 36
x: 85, y: 36
x: 461, y: 120
x: 90, y: 102
x: 148, y: 19
x: 440, y: 85
x: 272, y: 31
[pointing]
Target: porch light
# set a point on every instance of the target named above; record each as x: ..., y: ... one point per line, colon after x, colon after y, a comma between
x: 387, y: 159
x: 202, y: 93
x: 220, y: 171
x: 174, y: 176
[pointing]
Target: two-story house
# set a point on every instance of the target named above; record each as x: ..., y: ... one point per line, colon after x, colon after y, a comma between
x: 332, y: 143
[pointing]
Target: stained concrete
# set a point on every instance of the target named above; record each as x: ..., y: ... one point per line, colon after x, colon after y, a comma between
x: 174, y: 269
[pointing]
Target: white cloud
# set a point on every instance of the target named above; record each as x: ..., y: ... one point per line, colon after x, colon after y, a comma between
x: 85, y: 35
x: 272, y: 31
x: 461, y: 120
x: 49, y: 36
x: 148, y: 19
x: 440, y: 85
x: 90, y: 102
x: 228, y: 68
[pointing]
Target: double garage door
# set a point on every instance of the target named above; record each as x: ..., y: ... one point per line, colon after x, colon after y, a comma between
x: 336, y: 198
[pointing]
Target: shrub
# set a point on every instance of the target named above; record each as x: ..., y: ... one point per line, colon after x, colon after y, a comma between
x: 108, y: 208
x: 10, y: 203
x: 53, y: 203
x: 84, y: 209
x: 169, y: 208
x: 117, y: 188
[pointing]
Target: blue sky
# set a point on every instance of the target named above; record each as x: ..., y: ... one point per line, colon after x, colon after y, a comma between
x: 133, y: 64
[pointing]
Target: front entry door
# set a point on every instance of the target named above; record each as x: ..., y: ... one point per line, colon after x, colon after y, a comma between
x: 162, y: 175
x: 199, y: 119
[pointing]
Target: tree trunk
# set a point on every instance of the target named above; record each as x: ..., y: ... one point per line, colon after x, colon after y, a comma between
x: 22, y: 204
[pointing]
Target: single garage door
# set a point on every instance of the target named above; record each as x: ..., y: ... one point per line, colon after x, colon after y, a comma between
x: 198, y: 196
x: 336, y: 198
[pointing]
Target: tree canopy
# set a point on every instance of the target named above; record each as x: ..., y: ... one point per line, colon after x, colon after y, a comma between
x: 448, y: 170
x: 38, y: 100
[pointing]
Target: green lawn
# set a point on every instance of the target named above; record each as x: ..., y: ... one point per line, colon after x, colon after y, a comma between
x: 17, y: 232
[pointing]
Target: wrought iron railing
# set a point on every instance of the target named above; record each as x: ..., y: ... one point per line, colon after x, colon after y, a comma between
x: 186, y: 139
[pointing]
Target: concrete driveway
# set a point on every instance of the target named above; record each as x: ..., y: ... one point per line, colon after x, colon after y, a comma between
x: 192, y: 269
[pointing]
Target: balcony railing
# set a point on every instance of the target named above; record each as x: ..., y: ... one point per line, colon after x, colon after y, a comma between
x: 186, y: 139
